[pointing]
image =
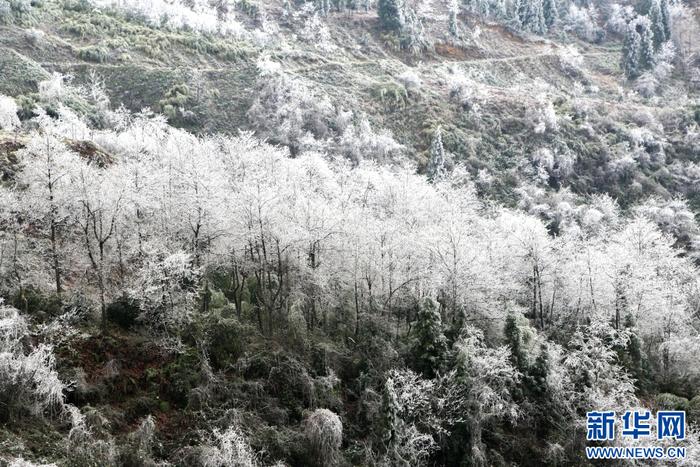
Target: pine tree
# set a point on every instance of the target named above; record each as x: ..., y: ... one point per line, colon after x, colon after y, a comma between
x: 430, y: 345
x: 646, y: 53
x: 436, y: 166
x: 666, y: 18
x: 392, y: 425
x: 531, y: 16
x: 638, y: 47
x: 657, y: 23
x: 539, y: 373
x: 454, y: 11
x: 391, y: 14
x: 324, y: 7
x: 499, y: 9
x: 630, y: 52
x: 515, y: 341
x: 551, y: 13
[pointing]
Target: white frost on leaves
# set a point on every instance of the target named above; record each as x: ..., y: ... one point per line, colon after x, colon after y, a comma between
x: 8, y: 113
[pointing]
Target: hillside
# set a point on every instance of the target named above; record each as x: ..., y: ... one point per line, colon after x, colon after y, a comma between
x: 334, y: 233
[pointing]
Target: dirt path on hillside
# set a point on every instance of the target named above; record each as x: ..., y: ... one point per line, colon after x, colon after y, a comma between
x: 357, y: 63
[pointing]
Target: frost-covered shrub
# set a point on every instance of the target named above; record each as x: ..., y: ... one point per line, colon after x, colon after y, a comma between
x: 463, y: 89
x: 35, y: 36
x: 553, y: 164
x: 198, y: 15
x: 19, y: 462
x: 229, y: 448
x: 360, y: 141
x: 324, y: 433
x: 88, y: 440
x: 8, y: 113
x: 95, y: 54
x: 53, y: 89
x: 570, y: 58
x: 541, y: 116
x: 410, y: 80
x: 29, y: 382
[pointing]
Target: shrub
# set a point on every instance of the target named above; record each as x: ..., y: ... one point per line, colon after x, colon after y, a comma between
x: 124, y: 312
x: 226, y: 340
x: 230, y: 448
x: 410, y: 80
x: 29, y: 382
x: 693, y: 409
x: 34, y: 36
x: 666, y: 401
x: 77, y: 5
x: 324, y: 433
x: 30, y: 300
x: 95, y: 54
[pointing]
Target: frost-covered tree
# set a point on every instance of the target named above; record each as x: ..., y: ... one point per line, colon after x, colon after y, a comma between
x: 286, y: 110
x: 50, y: 200
x: 8, y: 113
x: 436, y: 165
x: 430, y: 346
x: 453, y: 20
x: 531, y: 15
x: 100, y: 196
x: 583, y: 22
x: 483, y: 377
x: 391, y: 14
x: 638, y: 47
x: 408, y: 420
x: 551, y: 13
x: 659, y: 22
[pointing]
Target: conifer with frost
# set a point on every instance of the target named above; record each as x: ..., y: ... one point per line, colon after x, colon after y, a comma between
x: 638, y: 47
x: 436, y: 166
x: 657, y: 23
x: 391, y: 14
x: 551, y: 13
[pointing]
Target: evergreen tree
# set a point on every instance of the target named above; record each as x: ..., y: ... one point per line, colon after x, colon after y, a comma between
x: 638, y: 47
x: 538, y: 373
x: 499, y: 9
x: 391, y: 14
x: 646, y: 53
x: 630, y: 52
x: 531, y: 16
x: 514, y: 338
x: 632, y: 356
x: 657, y: 23
x: 454, y: 11
x: 436, y: 166
x: 430, y: 345
x: 666, y: 18
x: 324, y: 7
x: 551, y: 13
x: 392, y: 425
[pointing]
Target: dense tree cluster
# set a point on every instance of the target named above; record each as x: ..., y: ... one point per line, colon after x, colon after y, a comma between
x: 493, y: 310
